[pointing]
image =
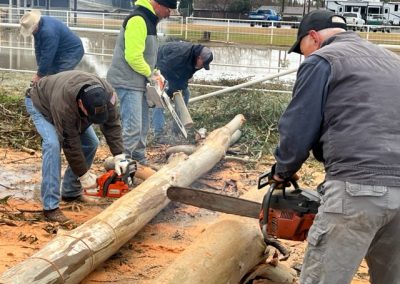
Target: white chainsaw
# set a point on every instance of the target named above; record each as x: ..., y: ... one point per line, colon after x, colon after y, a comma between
x: 157, y: 97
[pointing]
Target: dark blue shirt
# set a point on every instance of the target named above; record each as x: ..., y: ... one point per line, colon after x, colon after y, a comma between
x: 55, y: 45
x: 176, y: 61
x: 300, y: 124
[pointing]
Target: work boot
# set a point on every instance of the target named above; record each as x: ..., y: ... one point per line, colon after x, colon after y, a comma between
x: 81, y: 199
x: 161, y: 139
x: 56, y: 215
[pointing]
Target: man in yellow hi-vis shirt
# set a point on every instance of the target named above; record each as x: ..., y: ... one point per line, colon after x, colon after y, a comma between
x: 132, y: 65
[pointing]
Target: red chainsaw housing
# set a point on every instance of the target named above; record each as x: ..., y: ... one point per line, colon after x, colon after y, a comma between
x: 288, y: 224
x: 109, y: 185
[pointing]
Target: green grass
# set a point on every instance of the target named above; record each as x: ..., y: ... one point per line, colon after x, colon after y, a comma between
x: 260, y: 108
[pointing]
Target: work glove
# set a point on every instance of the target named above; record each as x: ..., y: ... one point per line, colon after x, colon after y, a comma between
x: 121, y: 164
x: 156, y: 79
x: 88, y: 180
x: 273, y: 178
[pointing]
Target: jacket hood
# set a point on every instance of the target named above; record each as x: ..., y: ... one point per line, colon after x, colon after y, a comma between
x: 146, y: 4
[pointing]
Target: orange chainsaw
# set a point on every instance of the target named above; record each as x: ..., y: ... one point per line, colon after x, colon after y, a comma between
x: 285, y: 214
x: 112, y: 185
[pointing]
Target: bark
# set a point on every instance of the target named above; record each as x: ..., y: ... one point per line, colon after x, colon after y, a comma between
x: 227, y: 252
x: 70, y: 257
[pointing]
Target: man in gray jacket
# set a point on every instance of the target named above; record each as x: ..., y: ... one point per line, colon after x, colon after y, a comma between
x: 131, y: 69
x: 63, y: 107
x: 345, y: 107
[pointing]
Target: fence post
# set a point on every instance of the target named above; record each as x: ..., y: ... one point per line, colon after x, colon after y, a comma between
x: 227, y: 35
x: 186, y: 27
x: 10, y: 12
x: 181, y: 25
x: 272, y: 32
x: 103, y: 16
x: 368, y: 32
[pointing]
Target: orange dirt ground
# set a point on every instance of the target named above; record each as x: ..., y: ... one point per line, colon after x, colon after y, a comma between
x: 23, y: 231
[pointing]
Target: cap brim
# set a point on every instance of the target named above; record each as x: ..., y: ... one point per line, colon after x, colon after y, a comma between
x: 296, y: 47
x: 207, y: 66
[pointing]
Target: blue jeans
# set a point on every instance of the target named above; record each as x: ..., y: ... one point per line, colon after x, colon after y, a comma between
x: 158, y: 122
x: 135, y: 122
x: 51, y: 160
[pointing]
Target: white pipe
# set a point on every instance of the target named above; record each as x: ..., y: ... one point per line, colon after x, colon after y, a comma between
x: 243, y: 85
x: 391, y: 47
x: 246, y: 89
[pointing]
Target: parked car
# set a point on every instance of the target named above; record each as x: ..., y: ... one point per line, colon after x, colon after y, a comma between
x: 263, y: 16
x: 294, y: 21
x: 354, y: 21
x: 378, y: 23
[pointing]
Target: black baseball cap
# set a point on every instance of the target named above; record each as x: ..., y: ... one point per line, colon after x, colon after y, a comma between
x: 207, y: 56
x: 171, y: 4
x: 317, y: 20
x: 95, y: 99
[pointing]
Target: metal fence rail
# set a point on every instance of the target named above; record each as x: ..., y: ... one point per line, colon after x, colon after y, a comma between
x: 202, y: 29
x: 90, y: 21
x: 105, y: 27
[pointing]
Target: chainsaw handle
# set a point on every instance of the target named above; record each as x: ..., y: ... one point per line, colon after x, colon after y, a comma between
x: 128, y: 171
x: 108, y: 182
x: 264, y: 223
x: 265, y: 209
x: 263, y: 181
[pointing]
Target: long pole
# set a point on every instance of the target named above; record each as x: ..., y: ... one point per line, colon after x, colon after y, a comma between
x: 243, y: 85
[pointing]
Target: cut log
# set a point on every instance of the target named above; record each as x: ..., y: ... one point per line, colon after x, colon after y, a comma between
x: 218, y: 256
x: 72, y: 256
x: 189, y: 149
x: 225, y: 253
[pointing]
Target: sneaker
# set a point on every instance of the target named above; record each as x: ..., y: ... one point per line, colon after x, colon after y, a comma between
x: 56, y: 215
x: 81, y: 199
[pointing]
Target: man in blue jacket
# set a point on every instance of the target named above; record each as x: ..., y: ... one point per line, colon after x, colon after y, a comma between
x: 57, y: 48
x: 177, y: 62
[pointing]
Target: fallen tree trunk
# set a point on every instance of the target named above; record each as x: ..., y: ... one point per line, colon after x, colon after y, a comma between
x: 72, y: 256
x: 225, y: 253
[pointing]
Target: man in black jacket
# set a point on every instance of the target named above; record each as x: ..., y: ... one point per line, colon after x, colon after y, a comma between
x: 349, y: 117
x: 177, y: 62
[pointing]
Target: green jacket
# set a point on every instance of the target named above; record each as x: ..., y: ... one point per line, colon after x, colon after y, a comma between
x: 135, y: 50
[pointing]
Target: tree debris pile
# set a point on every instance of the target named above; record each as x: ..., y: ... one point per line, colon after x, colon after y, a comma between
x: 16, y: 129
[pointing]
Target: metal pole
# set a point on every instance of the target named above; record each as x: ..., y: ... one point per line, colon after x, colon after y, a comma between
x: 227, y: 35
x: 75, y: 14
x: 10, y: 11
x: 186, y: 27
x: 243, y: 85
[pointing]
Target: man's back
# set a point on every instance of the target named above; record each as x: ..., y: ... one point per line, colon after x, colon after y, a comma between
x: 360, y: 131
x: 52, y: 28
x: 176, y: 62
